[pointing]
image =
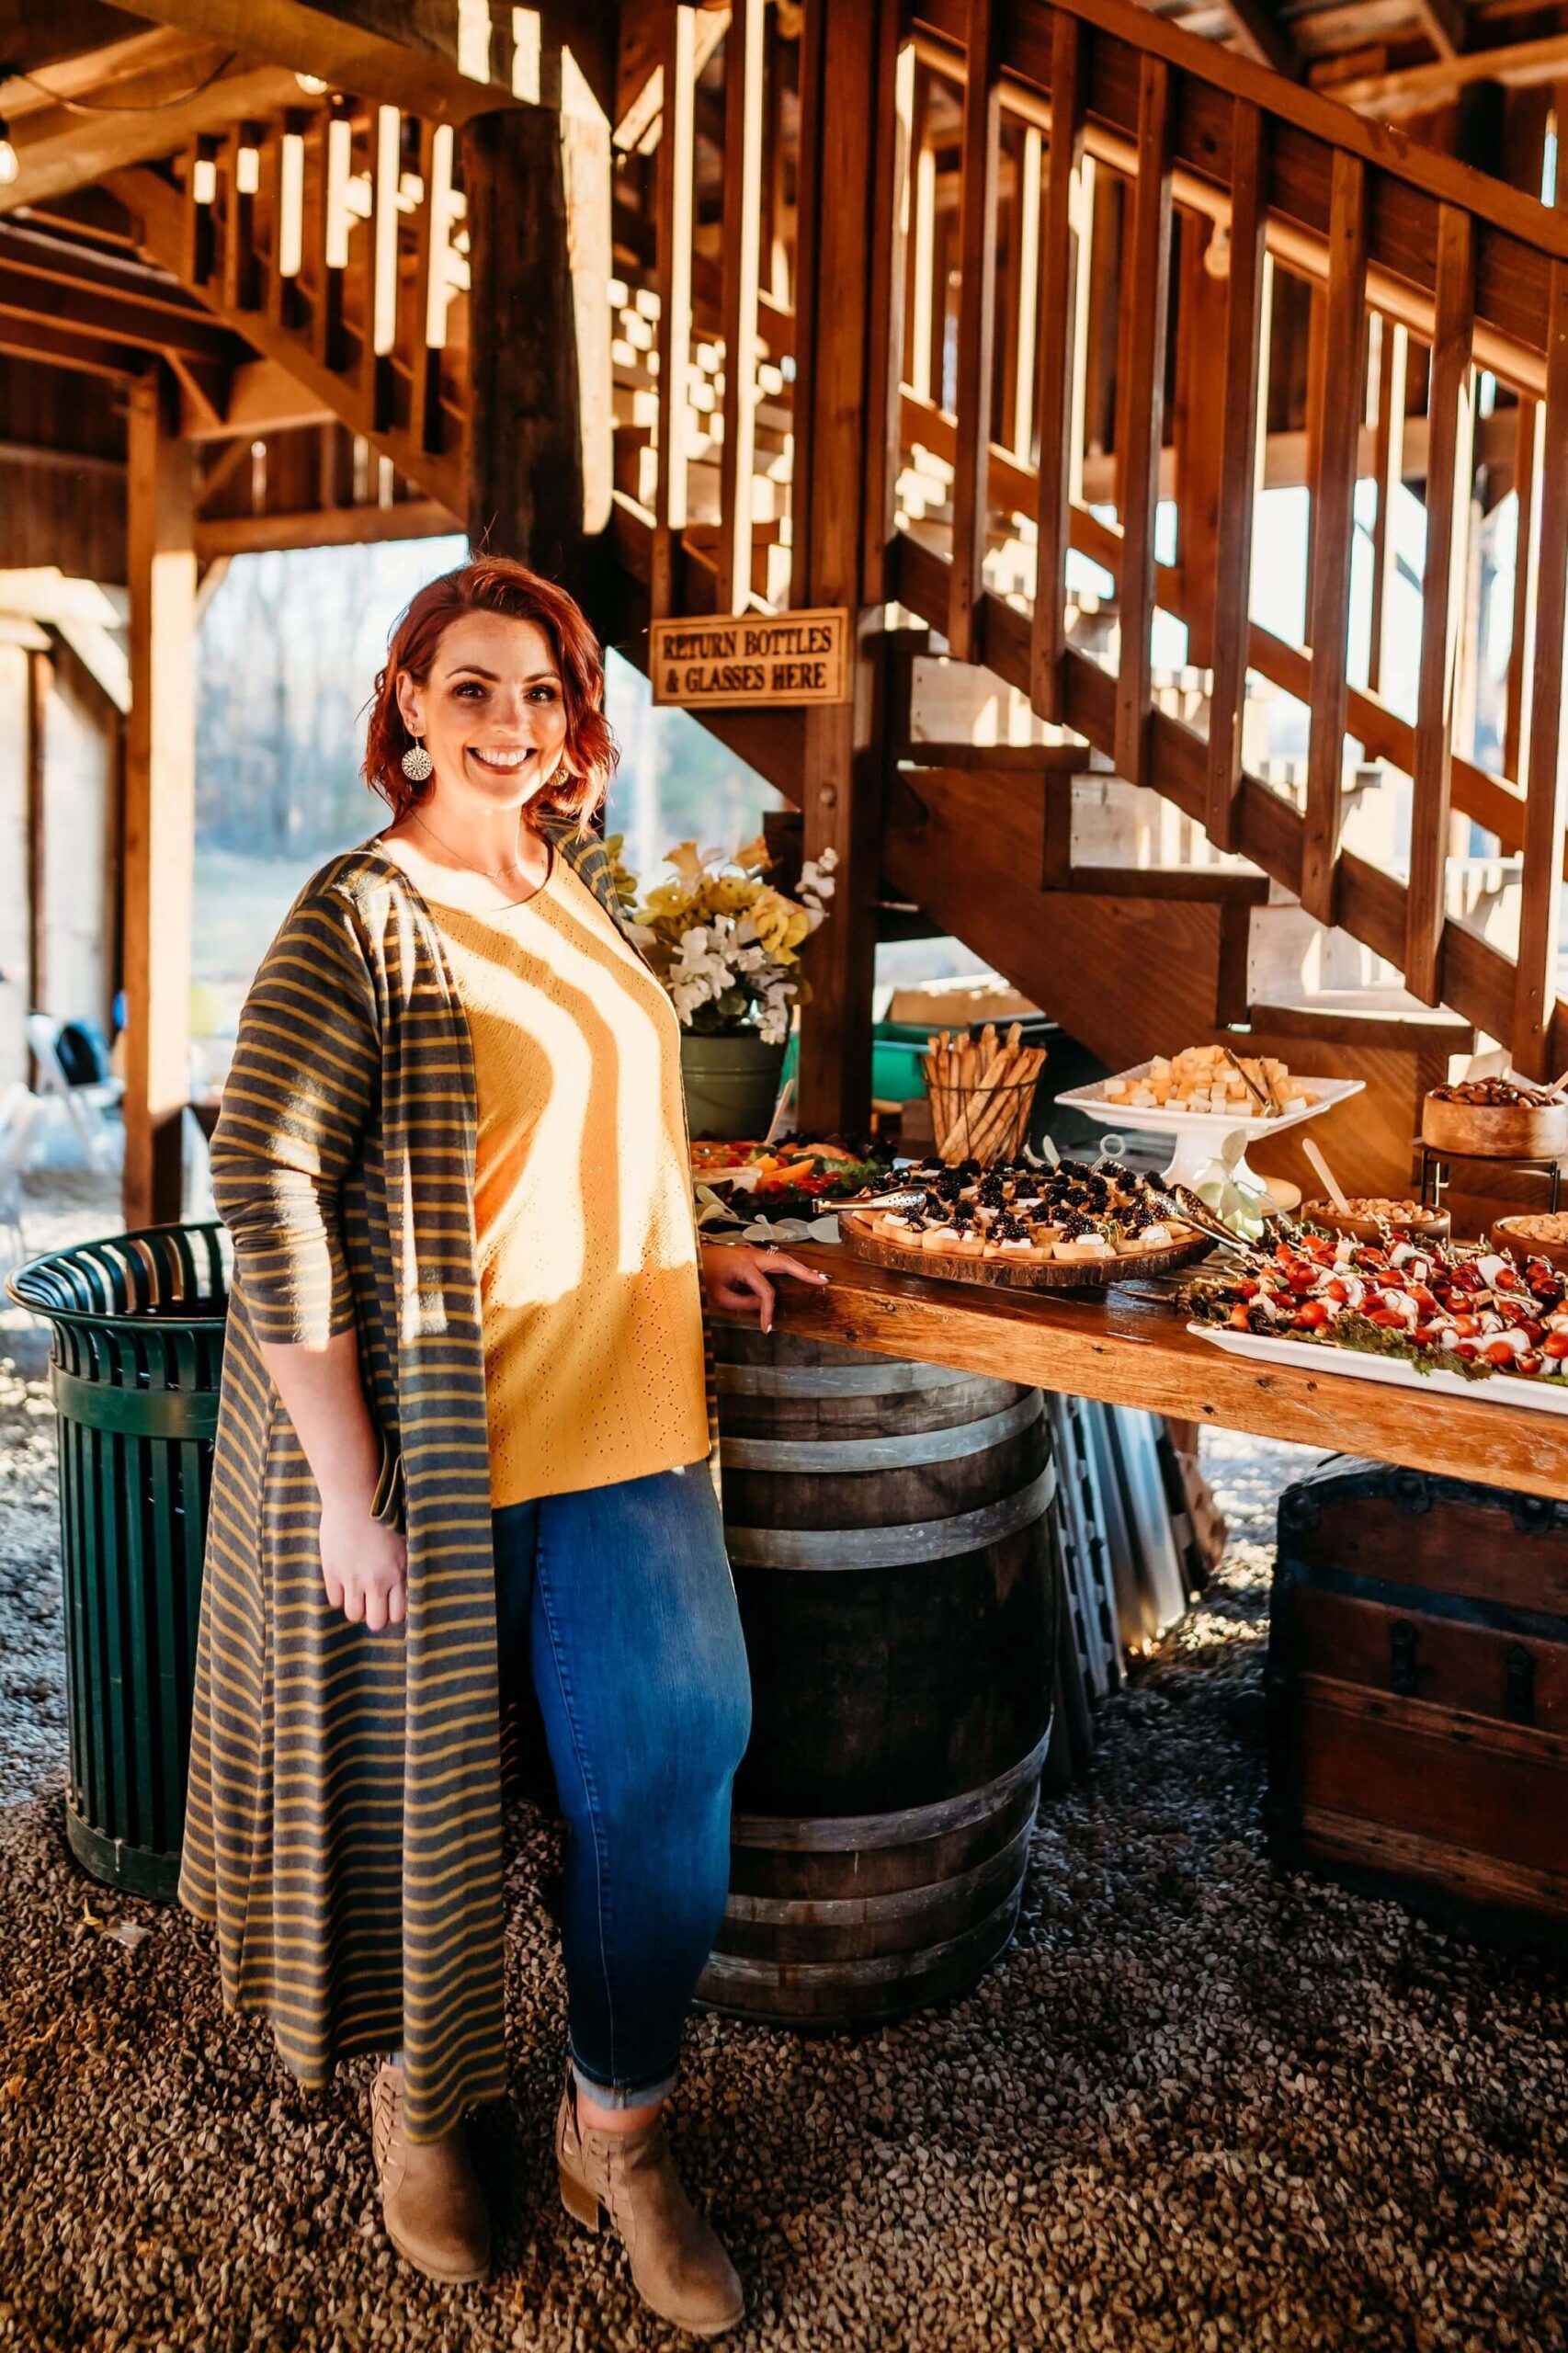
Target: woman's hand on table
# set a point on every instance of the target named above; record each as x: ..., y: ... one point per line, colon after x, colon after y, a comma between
x: 737, y: 1276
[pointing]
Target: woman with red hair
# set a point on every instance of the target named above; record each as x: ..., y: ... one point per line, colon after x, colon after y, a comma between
x: 464, y: 1443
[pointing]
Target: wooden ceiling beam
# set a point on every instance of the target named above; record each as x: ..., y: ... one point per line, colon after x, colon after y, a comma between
x: 336, y: 527
x: 416, y: 54
x: 263, y: 398
x: 1443, y: 23
x: 52, y: 301
x: 1416, y: 89
x: 349, y: 50
x: 59, y: 150
x: 77, y: 348
x: 54, y: 283
x: 1259, y: 34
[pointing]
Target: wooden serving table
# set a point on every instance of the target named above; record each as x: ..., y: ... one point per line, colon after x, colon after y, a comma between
x: 1129, y: 1348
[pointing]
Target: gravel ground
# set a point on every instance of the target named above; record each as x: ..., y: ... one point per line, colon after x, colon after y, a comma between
x: 1196, y: 2105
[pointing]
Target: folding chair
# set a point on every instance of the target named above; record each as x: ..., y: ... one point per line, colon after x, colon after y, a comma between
x: 87, y: 1104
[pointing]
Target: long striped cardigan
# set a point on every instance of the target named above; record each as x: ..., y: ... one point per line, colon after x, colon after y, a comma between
x: 343, y: 1827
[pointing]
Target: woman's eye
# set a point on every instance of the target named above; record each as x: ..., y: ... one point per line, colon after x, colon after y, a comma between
x: 545, y: 694
x: 469, y: 687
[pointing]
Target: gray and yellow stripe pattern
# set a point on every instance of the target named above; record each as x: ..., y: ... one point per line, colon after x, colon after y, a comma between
x: 343, y: 1827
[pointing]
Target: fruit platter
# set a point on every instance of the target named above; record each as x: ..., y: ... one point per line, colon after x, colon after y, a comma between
x: 792, y: 1179
x: 1406, y: 1309
x: 1025, y: 1225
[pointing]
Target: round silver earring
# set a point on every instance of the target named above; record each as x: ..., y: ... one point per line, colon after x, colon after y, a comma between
x: 417, y: 764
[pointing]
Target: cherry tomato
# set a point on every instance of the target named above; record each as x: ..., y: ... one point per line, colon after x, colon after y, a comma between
x: 1466, y: 1327
x: 1303, y: 1278
x: 1529, y: 1362
x: 1338, y: 1290
x: 1389, y: 1318
x: 1499, y: 1352
x: 1311, y: 1316
x: 1555, y: 1346
x: 1467, y: 1349
x: 1247, y: 1288
x: 1239, y: 1320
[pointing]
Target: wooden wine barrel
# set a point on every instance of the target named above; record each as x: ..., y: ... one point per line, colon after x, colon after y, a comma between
x: 891, y: 1531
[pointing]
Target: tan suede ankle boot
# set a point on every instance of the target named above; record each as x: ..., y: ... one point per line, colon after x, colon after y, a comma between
x: 431, y: 2201
x: 678, y: 2267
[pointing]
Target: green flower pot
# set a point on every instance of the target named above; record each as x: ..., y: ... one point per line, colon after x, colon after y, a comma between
x: 732, y: 1083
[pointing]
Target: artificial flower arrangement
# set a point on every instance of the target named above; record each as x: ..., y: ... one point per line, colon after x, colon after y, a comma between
x: 725, y: 942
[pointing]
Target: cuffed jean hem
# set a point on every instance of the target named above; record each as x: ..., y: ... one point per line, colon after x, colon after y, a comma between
x: 617, y: 2096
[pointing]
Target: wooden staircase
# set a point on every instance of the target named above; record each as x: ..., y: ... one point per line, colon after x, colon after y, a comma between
x: 331, y: 238
x: 1071, y: 208
x: 1124, y: 189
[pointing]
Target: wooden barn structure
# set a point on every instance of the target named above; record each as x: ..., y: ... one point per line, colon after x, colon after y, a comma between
x: 998, y: 322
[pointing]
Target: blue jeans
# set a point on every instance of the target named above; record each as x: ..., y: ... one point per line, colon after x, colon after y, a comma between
x: 621, y: 1603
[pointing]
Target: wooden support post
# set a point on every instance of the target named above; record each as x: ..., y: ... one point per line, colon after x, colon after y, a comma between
x: 896, y: 79
x: 160, y: 799
x: 1333, y: 495
x: 844, y: 748
x: 673, y: 276
x: 528, y: 407
x: 1246, y: 327
x: 1141, y: 410
x: 1535, y: 999
x: 242, y: 181
x: 1060, y: 346
x: 1199, y: 447
x: 379, y: 271
x: 1449, y: 469
x: 1529, y: 453
x: 743, y: 53
x: 427, y: 334
x: 331, y: 152
x: 979, y: 152
x: 921, y: 288
x: 40, y: 679
x: 1389, y: 460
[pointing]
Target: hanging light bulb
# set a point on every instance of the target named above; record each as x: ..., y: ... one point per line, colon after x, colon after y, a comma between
x: 313, y: 84
x: 9, y: 165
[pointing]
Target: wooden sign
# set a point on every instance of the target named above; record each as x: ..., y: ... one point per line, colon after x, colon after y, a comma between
x: 752, y: 658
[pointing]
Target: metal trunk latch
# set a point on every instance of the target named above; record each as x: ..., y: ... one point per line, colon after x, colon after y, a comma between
x: 1401, y: 1657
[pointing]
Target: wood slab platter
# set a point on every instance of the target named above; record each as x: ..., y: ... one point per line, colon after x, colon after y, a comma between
x: 1011, y: 1274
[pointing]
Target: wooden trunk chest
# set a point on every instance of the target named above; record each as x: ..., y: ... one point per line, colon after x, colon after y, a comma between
x: 1418, y: 1694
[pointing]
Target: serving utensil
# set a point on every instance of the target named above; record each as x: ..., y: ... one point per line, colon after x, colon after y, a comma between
x: 1267, y: 1103
x: 1185, y: 1205
x: 1340, y: 1198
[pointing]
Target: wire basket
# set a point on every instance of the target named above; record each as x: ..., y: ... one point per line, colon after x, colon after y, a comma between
x: 982, y: 1123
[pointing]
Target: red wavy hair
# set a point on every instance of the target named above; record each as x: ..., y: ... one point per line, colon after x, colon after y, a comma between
x: 495, y: 584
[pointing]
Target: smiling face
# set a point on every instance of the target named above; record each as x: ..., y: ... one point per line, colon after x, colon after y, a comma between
x: 491, y: 714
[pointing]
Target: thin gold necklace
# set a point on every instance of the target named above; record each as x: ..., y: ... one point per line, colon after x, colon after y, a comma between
x: 491, y: 873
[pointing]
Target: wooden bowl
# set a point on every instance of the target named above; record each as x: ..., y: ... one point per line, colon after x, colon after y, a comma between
x: 1496, y: 1130
x: 1506, y: 1234
x: 1424, y: 1224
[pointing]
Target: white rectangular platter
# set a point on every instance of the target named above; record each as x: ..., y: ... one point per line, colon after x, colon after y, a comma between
x: 1170, y: 1119
x: 1314, y: 1355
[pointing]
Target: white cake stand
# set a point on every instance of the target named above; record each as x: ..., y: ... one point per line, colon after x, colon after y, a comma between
x: 1196, y: 1136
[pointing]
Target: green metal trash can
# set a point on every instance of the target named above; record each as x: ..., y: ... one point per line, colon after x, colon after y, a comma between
x: 139, y: 1321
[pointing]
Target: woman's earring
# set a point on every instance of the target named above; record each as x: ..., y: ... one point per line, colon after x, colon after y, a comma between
x: 417, y: 764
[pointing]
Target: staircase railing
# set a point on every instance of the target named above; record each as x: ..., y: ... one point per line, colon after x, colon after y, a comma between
x: 1093, y: 230
x: 333, y: 239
